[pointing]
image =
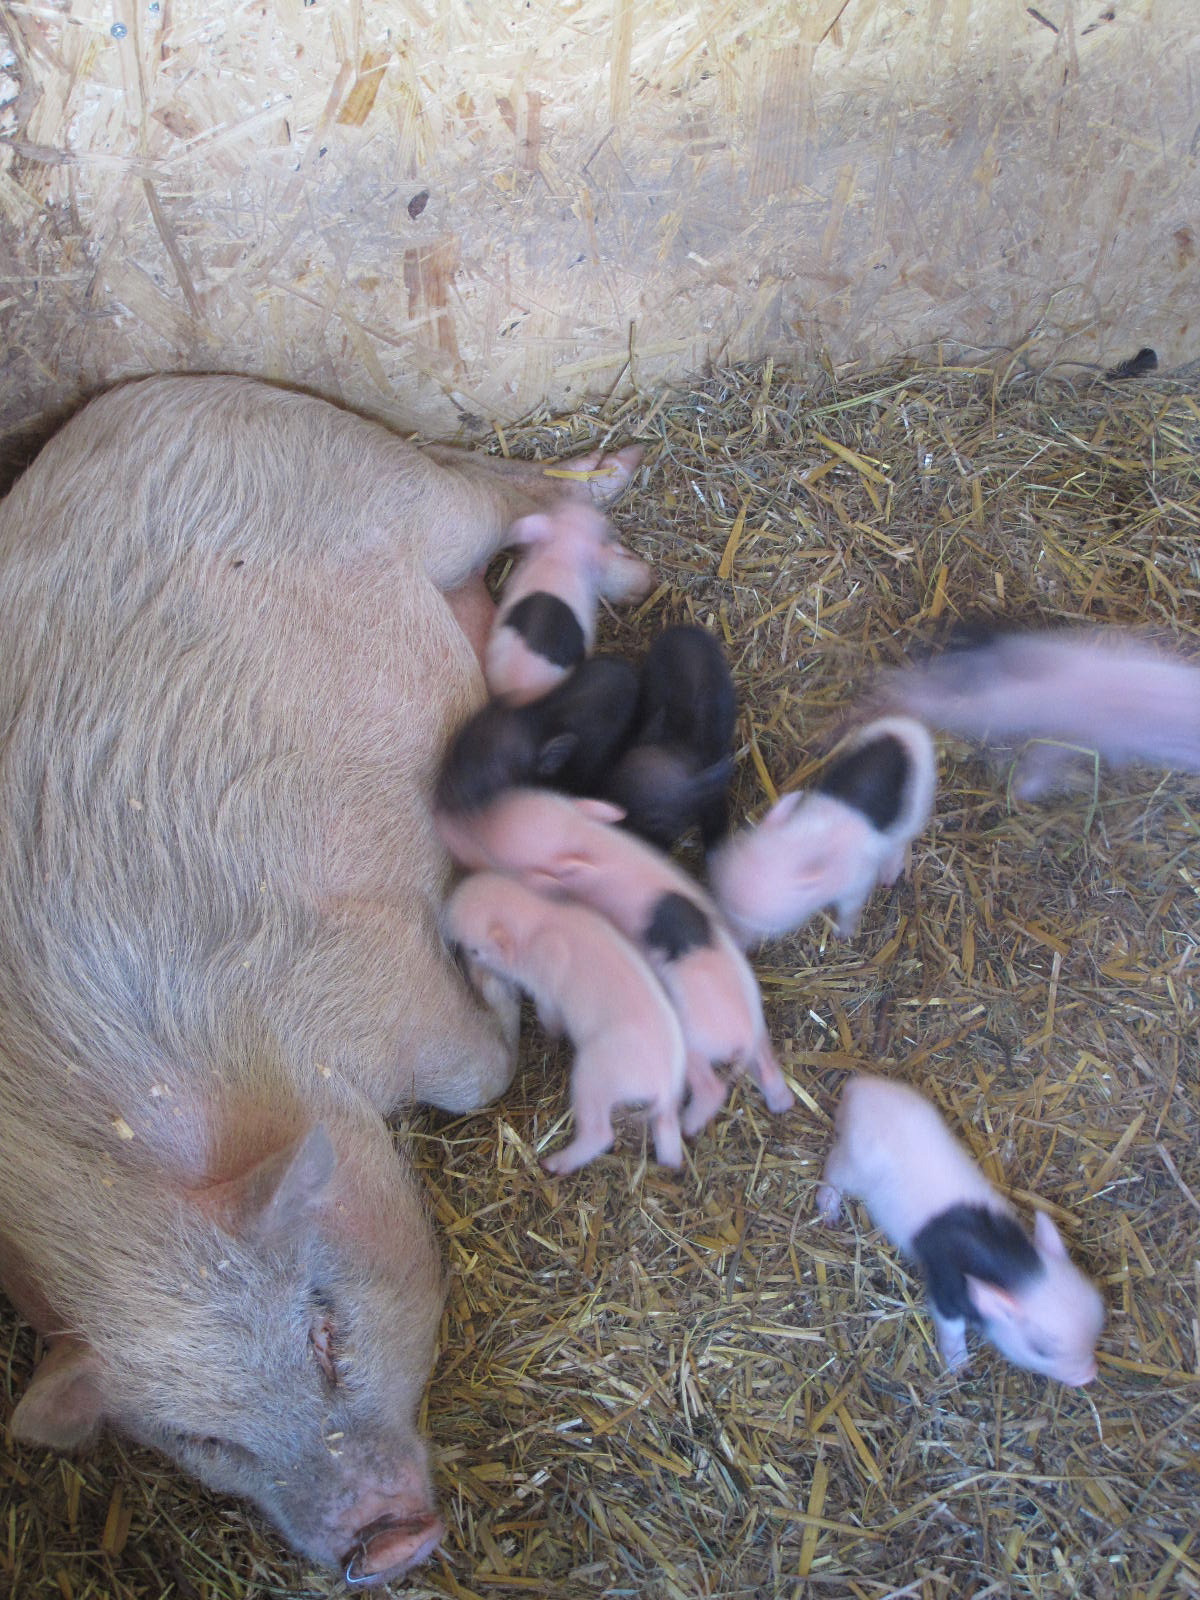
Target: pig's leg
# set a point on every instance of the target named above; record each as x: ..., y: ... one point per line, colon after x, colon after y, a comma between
x: 467, y: 1052
x: 896, y: 865
x: 836, y: 1180
x: 593, y: 1122
x: 551, y: 1019
x: 951, y: 1334
x: 474, y: 610
x: 768, y: 1075
x: 848, y: 912
x: 668, y: 1140
x: 707, y: 1094
x: 471, y: 500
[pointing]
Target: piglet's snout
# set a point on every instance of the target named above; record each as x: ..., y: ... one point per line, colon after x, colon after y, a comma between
x: 389, y: 1547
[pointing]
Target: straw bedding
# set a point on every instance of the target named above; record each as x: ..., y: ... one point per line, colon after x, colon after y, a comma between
x: 679, y: 1385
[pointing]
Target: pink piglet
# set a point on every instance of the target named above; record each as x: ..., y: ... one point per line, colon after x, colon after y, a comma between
x: 589, y: 982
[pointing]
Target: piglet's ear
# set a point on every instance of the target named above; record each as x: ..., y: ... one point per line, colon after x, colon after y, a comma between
x: 782, y: 810
x: 555, y: 753
x: 993, y: 1303
x: 1047, y: 1240
x: 63, y: 1406
x: 501, y: 939
x: 535, y: 529
x: 272, y: 1201
x: 600, y: 810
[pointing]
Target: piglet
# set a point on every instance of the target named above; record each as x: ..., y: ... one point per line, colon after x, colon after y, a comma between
x: 1095, y: 690
x: 546, y: 621
x: 833, y: 845
x: 676, y: 773
x: 923, y: 1191
x: 567, y: 739
x: 589, y: 982
x: 571, y: 846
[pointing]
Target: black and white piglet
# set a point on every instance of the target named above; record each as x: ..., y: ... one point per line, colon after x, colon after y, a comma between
x: 546, y: 620
x: 922, y: 1189
x: 676, y: 772
x: 833, y: 844
x: 568, y: 739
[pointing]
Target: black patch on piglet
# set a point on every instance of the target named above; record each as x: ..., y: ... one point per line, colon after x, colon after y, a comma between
x: 664, y: 793
x: 971, y: 1241
x: 549, y: 627
x: 678, y: 925
x: 871, y: 779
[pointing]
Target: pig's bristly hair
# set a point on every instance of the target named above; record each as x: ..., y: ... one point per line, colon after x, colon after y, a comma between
x: 871, y: 779
x: 549, y: 627
x: 972, y: 1241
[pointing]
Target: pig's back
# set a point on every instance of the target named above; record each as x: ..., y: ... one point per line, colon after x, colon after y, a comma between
x: 907, y: 1166
x: 224, y: 681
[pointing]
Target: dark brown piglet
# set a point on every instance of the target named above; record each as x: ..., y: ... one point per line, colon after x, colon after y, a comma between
x: 675, y: 774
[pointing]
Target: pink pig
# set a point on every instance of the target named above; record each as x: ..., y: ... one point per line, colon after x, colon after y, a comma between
x: 923, y: 1191
x: 832, y: 845
x: 546, y: 622
x: 589, y: 982
x: 570, y: 845
x: 1096, y: 689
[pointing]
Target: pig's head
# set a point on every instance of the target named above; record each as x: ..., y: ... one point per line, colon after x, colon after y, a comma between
x: 1051, y: 1321
x: 586, y: 540
x: 275, y: 1341
x: 802, y: 856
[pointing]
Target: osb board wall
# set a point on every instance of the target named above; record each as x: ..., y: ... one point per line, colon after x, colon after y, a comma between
x: 446, y: 211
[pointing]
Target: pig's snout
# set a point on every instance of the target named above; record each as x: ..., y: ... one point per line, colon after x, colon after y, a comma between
x: 389, y: 1547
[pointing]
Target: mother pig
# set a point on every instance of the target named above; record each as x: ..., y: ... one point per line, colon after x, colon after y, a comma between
x: 227, y: 668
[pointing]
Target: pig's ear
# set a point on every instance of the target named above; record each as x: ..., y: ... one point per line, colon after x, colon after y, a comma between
x: 535, y: 529
x: 993, y: 1303
x: 783, y: 809
x: 272, y: 1201
x: 63, y: 1406
x: 600, y: 810
x: 1047, y: 1240
x: 555, y: 753
x: 502, y: 941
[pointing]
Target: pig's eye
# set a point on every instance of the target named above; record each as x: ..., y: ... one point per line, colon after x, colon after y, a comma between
x: 212, y: 1445
x: 322, y: 1338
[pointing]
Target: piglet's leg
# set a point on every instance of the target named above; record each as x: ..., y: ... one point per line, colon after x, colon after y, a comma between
x: 668, y: 1141
x: 951, y: 1334
x: 768, y: 1075
x: 896, y: 865
x: 849, y: 910
x: 707, y: 1094
x: 829, y: 1203
x: 593, y: 1124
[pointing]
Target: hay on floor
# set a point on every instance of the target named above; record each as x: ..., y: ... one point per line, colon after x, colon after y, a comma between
x: 679, y: 1385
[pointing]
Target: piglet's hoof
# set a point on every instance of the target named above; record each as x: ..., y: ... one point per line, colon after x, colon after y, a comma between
x: 604, y: 477
x: 829, y: 1203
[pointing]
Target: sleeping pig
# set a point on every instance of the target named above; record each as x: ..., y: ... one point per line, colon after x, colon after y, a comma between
x: 923, y: 1191
x: 546, y: 620
x: 589, y: 982
x: 834, y: 844
x: 572, y: 847
x: 567, y: 739
x: 676, y: 771
x: 1079, y: 690
x: 229, y: 660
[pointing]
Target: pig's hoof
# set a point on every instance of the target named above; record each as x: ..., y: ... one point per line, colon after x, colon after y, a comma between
x: 603, y: 477
x: 829, y: 1203
x: 779, y: 1098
